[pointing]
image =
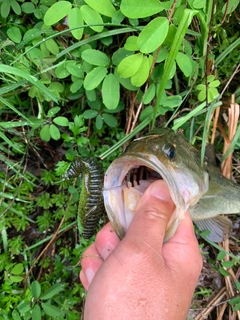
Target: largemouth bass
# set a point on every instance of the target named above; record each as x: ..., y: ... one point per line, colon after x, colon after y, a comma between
x: 164, y: 154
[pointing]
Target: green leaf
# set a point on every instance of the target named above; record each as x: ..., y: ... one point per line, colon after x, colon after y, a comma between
x: 199, y: 4
x: 61, y: 121
x: 75, y: 20
x: 5, y: 8
x: 136, y: 9
x: 52, y: 46
x: 57, y: 12
x: 153, y: 35
x: 224, y: 272
x: 99, y: 122
x: 16, y: 279
x: 24, y: 307
x: 228, y: 264
x: 15, y: 315
x: 221, y: 255
x: 54, y: 132
x: 55, y: 289
x: 147, y: 112
x: 36, y: 312
x: 130, y: 65
x: 111, y: 91
x: 94, y: 78
x: 61, y: 71
x: 17, y: 269
x: 184, y: 63
x: 14, y: 34
x: 28, y: 7
x: 76, y: 85
x: 51, y: 112
x: 95, y: 57
x: 214, y: 84
x: 104, y: 7
x: 131, y: 43
x: 45, y: 133
x: 91, y: 16
x: 89, y: 114
x: 149, y: 94
x: 140, y: 77
x: 51, y: 310
x: 109, y: 120
x: 36, y: 289
x: 16, y: 7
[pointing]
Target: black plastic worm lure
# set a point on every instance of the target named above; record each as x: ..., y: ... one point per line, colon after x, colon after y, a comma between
x: 91, y: 206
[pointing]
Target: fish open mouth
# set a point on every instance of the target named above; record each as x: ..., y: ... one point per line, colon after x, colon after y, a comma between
x: 125, y: 182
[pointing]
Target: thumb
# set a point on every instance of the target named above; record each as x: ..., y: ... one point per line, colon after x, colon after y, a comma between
x: 151, y: 217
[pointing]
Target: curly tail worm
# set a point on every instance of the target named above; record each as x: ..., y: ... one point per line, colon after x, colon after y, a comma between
x: 91, y: 205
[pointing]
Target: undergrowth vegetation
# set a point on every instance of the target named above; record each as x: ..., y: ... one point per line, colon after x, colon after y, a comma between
x: 82, y: 78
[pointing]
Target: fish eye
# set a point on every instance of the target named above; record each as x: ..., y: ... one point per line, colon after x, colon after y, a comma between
x: 169, y: 150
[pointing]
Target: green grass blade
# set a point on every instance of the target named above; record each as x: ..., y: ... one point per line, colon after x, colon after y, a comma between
x: 177, y: 41
x: 32, y: 79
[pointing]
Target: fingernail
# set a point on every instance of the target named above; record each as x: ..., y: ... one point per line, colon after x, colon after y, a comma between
x: 159, y: 190
x: 89, y: 274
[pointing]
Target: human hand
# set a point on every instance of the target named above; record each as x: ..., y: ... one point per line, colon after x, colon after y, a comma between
x: 141, y: 277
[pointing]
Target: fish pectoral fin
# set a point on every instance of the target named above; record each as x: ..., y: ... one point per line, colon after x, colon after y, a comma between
x: 219, y: 228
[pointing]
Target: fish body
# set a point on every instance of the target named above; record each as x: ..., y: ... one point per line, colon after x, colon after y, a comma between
x: 164, y: 154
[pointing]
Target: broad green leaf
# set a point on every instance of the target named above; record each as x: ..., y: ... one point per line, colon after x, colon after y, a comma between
x: 36, y: 312
x: 147, y: 112
x: 57, y: 12
x: 111, y: 91
x: 171, y: 101
x: 153, y: 35
x: 36, y: 289
x: 149, y: 94
x: 104, y: 7
x: 89, y: 114
x: 51, y: 112
x: 51, y: 310
x: 91, y: 16
x: 95, y: 57
x: 15, y: 315
x: 45, y: 133
x: 76, y: 85
x: 228, y: 264
x: 52, y: 46
x: 16, y: 278
x: 61, y: 121
x: 54, y: 132
x: 94, y: 78
x: 16, y: 7
x: 140, y: 77
x: 55, y: 289
x: 14, y: 34
x: 199, y: 4
x: 214, y: 84
x: 221, y: 255
x: 5, y: 8
x: 117, y: 17
x: 109, y: 120
x: 185, y: 63
x: 136, y: 9
x: 75, y: 20
x: 24, y: 307
x: 61, y: 71
x: 17, y: 269
x: 28, y: 7
x: 99, y: 122
x: 131, y: 43
x: 75, y: 69
x: 130, y: 65
x: 119, y: 55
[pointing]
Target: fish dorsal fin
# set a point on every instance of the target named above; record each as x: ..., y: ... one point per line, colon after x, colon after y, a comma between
x: 219, y: 227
